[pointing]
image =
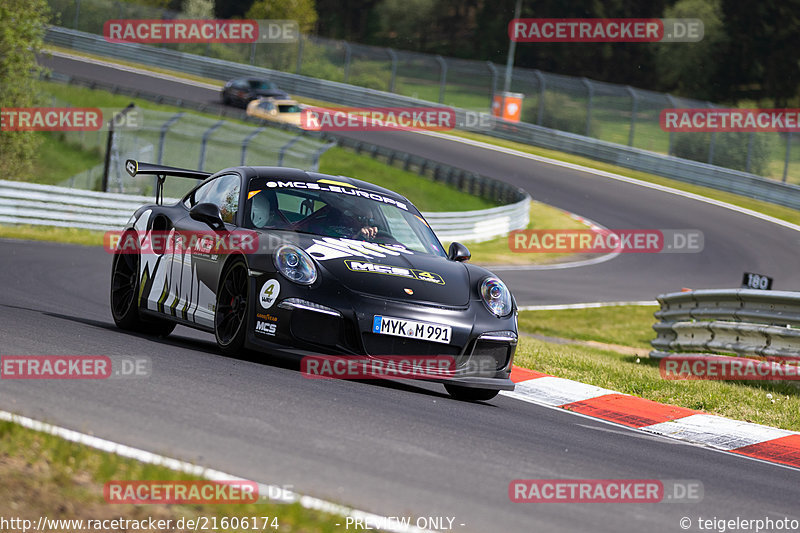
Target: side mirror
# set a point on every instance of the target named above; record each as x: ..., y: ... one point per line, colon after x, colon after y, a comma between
x: 458, y: 252
x: 208, y: 213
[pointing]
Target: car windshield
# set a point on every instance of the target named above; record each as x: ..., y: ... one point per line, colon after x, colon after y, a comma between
x: 289, y: 108
x: 333, y: 209
x: 260, y: 84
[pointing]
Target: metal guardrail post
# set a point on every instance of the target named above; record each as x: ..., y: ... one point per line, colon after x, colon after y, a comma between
x: 713, y: 142
x: 634, y: 110
x: 110, y: 144
x: 202, y: 161
x: 163, y: 134
x: 542, y: 89
x: 253, y: 53
x: 786, y: 160
x: 493, y: 72
x: 393, y: 57
x: 749, y: 150
x: 299, y: 55
x: 246, y: 143
x: 285, y: 147
x: 672, y: 104
x: 442, y: 77
x: 348, y: 54
x: 590, y: 96
x: 77, y: 13
x: 770, y: 190
x: 318, y: 153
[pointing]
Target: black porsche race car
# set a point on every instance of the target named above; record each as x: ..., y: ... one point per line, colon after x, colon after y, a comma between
x: 281, y: 260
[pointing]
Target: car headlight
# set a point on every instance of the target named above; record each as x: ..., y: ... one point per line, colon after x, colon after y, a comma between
x: 295, y: 264
x: 495, y: 296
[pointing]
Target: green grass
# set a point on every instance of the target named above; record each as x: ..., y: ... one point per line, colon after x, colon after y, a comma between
x: 60, y: 159
x: 84, y: 237
x: 427, y: 195
x: 542, y: 216
x: 44, y: 475
x: 629, y: 325
x: 60, y: 153
x: 639, y: 376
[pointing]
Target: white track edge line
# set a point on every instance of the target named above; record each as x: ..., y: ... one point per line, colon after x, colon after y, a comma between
x: 670, y: 439
x: 587, y: 305
x: 143, y: 456
x: 480, y: 144
x: 619, y: 177
x: 135, y: 70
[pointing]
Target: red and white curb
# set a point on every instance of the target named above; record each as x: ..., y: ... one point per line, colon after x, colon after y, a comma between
x: 745, y: 438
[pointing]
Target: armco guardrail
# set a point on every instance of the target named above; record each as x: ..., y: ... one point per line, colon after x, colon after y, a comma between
x: 461, y: 179
x: 744, y: 322
x: 482, y: 225
x: 46, y: 205
x: 341, y: 93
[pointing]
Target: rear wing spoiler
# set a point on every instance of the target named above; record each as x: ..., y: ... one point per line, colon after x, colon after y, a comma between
x: 134, y: 168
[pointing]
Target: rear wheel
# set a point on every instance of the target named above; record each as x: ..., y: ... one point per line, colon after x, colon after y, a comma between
x: 230, y: 314
x: 469, y: 394
x: 125, y: 293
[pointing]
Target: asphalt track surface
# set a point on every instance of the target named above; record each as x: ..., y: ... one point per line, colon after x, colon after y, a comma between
x: 734, y: 242
x: 385, y: 447
x: 394, y: 448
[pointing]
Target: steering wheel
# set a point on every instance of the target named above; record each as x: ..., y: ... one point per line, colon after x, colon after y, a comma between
x: 313, y: 217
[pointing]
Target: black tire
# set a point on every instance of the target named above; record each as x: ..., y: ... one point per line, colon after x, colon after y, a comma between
x: 125, y: 294
x: 230, y: 312
x: 469, y: 394
x: 226, y: 100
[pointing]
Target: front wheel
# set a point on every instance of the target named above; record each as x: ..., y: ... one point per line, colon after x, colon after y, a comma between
x: 469, y: 394
x: 230, y: 313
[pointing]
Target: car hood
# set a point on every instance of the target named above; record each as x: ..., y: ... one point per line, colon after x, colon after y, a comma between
x: 391, y: 271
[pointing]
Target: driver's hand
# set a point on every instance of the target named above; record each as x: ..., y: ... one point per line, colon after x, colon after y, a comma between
x: 369, y: 232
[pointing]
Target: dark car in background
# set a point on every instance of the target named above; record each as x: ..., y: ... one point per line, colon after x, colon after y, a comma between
x: 241, y: 91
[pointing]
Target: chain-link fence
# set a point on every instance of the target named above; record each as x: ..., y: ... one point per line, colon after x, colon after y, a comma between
x: 189, y: 140
x: 605, y: 111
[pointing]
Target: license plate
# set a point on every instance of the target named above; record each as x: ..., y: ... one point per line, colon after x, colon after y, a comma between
x: 411, y: 329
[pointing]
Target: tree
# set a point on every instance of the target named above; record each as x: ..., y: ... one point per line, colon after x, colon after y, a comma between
x: 198, y: 9
x: 692, y: 69
x: 22, y: 27
x: 762, y: 60
x: 226, y: 9
x: 302, y: 11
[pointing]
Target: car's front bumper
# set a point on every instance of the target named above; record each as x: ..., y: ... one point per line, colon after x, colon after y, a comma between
x: 306, y: 323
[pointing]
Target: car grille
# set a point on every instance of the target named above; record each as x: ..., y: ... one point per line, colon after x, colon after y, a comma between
x: 497, y: 351
x: 376, y: 344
